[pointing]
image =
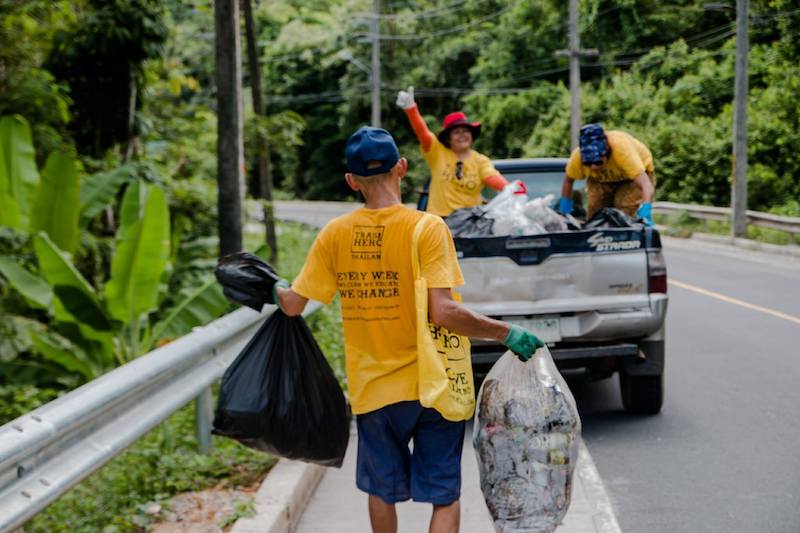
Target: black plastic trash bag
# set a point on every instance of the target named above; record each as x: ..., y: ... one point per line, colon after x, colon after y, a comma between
x: 280, y: 396
x: 469, y: 222
x: 246, y: 279
x: 610, y: 217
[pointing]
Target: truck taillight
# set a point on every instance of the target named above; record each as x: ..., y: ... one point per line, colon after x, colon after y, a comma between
x: 656, y: 272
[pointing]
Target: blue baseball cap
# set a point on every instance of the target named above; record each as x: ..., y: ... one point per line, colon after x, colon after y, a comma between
x: 371, y: 151
x: 593, y: 144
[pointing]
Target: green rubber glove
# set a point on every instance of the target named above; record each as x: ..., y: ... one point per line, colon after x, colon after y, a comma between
x: 522, y: 342
x: 283, y: 284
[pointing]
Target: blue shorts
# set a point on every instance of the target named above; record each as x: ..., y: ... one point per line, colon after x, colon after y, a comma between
x: 387, y: 468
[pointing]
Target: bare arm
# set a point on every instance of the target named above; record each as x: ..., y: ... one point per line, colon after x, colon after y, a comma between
x: 446, y: 312
x: 566, y: 188
x: 643, y: 181
x: 290, y: 302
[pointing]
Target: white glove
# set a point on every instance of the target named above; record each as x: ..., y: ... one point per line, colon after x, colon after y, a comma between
x: 405, y: 99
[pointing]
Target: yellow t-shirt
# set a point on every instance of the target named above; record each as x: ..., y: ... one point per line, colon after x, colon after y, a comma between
x: 365, y: 256
x: 629, y: 158
x: 448, y: 193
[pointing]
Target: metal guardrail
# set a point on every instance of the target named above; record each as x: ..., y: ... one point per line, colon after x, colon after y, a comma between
x: 46, y: 452
x: 765, y: 220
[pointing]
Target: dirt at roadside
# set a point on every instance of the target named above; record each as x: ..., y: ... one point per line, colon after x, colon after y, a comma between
x: 213, y: 510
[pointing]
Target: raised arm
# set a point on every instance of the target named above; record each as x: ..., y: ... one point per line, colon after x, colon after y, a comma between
x: 405, y: 99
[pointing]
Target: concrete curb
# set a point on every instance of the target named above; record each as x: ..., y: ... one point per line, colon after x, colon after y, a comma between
x: 282, y: 497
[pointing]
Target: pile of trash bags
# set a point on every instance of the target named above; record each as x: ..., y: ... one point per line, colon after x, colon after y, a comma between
x: 526, y: 439
x: 279, y: 395
x: 513, y: 213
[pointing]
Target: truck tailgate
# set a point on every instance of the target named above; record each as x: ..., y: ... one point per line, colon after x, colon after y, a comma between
x: 572, y: 272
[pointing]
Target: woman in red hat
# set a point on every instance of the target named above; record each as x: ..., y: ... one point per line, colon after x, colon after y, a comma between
x: 458, y: 173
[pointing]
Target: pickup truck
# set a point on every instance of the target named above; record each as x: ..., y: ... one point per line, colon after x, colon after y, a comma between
x: 597, y: 297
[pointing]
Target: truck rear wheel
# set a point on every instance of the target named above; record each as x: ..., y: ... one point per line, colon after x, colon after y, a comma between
x: 643, y: 395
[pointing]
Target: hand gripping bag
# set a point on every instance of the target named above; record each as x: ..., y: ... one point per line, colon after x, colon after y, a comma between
x: 281, y: 396
x: 444, y: 361
x: 246, y: 279
x: 526, y: 439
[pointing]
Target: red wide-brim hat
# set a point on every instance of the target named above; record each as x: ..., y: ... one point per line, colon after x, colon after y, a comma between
x: 457, y: 119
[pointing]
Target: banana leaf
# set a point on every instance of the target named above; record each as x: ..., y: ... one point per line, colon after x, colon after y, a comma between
x: 76, y: 299
x: 18, y: 175
x: 62, y: 352
x: 34, y: 289
x: 197, y: 307
x: 141, y: 253
x: 98, y: 190
x: 56, y: 206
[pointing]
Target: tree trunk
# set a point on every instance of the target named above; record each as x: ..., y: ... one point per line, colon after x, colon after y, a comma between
x: 230, y: 161
x: 263, y: 168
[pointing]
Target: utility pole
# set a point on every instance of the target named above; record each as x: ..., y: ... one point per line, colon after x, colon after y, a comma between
x: 230, y: 141
x: 574, y: 52
x: 263, y: 167
x: 375, y: 75
x: 739, y: 186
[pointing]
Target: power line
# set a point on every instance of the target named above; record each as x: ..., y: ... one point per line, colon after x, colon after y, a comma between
x: 455, y: 29
x: 455, y: 7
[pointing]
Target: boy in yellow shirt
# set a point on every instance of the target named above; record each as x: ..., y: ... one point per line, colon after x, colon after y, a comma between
x: 458, y: 173
x: 619, y: 172
x: 365, y: 257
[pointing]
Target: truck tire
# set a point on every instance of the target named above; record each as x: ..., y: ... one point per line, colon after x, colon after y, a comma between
x: 642, y: 395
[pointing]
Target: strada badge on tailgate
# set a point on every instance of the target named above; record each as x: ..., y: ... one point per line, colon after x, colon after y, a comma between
x: 603, y: 243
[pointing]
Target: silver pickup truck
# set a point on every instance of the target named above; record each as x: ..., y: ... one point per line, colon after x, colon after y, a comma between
x: 597, y: 297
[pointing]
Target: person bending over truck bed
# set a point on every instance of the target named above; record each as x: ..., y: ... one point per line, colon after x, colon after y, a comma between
x: 619, y: 172
x: 458, y: 173
x: 349, y: 254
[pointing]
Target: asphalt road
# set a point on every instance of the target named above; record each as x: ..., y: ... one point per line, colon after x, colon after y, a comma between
x: 723, y: 454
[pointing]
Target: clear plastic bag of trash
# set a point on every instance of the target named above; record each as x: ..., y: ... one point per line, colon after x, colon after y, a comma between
x: 507, y: 210
x: 512, y: 193
x: 469, y: 222
x: 526, y: 438
x: 538, y: 210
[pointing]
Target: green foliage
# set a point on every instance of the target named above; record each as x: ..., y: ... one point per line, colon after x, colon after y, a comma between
x: 18, y: 174
x: 166, y: 461
x: 141, y: 253
x: 16, y: 400
x: 100, y: 57
x: 56, y: 206
x: 158, y: 466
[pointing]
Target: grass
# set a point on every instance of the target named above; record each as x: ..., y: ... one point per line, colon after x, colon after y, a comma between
x: 682, y: 225
x: 166, y: 461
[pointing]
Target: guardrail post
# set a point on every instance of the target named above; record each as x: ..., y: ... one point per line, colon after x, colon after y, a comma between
x: 203, y: 411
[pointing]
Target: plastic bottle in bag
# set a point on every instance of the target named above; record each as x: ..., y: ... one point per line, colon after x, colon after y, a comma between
x: 526, y: 438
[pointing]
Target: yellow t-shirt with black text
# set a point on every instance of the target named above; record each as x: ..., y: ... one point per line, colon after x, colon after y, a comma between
x: 447, y: 192
x: 629, y: 158
x: 365, y: 257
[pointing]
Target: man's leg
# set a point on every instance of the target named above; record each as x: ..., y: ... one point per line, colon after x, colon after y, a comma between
x: 446, y: 518
x: 436, y: 468
x: 382, y: 516
x: 599, y: 195
x: 628, y: 196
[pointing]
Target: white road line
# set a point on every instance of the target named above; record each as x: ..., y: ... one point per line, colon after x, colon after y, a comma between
x: 602, y: 512
x: 735, y: 301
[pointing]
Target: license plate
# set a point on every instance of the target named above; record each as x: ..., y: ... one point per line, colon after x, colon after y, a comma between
x: 547, y: 329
